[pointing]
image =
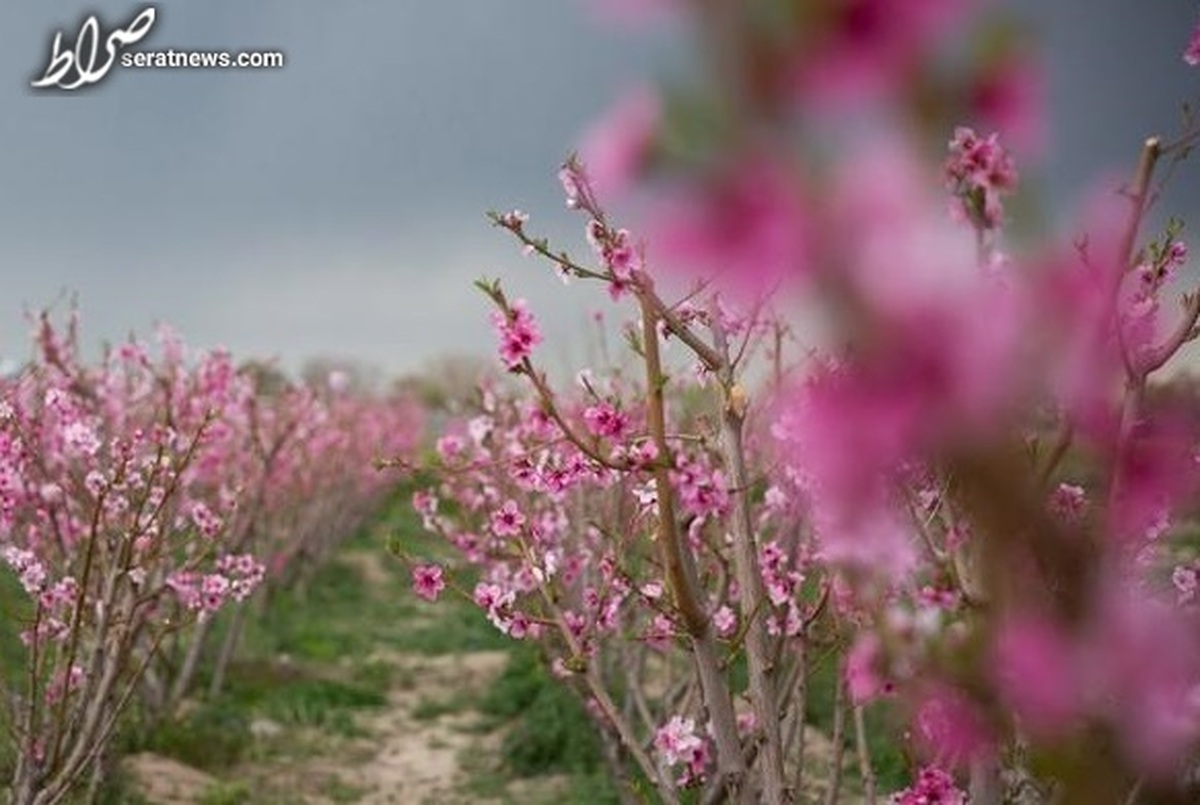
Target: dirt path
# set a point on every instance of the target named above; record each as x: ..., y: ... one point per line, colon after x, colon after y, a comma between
x: 410, y: 748
x: 419, y: 760
x: 410, y: 751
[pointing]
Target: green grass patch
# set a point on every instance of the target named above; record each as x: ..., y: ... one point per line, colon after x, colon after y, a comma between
x: 548, y: 729
x: 213, y: 737
x: 430, y: 709
x: 231, y: 793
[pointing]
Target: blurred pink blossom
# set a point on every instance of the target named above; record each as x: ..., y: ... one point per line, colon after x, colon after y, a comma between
x: 1009, y: 96
x: 748, y: 227
x: 1037, y: 674
x: 616, y: 147
x: 867, y: 49
x: 950, y: 727
x: 864, y: 680
x: 1192, y: 54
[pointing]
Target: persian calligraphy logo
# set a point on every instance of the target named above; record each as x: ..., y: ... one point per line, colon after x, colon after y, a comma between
x: 93, y: 55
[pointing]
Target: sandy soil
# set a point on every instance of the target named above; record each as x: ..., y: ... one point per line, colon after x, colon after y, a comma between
x: 419, y: 761
x: 166, y: 781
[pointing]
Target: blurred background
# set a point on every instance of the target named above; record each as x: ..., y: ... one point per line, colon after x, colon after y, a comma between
x: 334, y: 209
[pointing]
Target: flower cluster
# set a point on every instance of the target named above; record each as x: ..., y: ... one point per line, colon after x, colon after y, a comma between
x: 979, y: 171
x: 933, y: 786
x: 679, y: 745
x: 518, y: 334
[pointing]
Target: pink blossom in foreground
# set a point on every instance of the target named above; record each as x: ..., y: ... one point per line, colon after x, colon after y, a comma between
x: 617, y: 146
x: 950, y: 728
x: 1142, y: 663
x: 1009, y: 97
x: 427, y: 581
x: 749, y: 227
x: 868, y: 49
x: 864, y: 682
x: 1192, y: 54
x: 1037, y: 674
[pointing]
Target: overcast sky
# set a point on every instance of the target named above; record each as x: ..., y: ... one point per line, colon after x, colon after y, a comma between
x: 335, y: 207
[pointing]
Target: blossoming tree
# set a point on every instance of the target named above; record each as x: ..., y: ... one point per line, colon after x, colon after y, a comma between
x: 959, y: 485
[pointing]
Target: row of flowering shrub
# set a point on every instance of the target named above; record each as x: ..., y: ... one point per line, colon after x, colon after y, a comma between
x: 953, y: 478
x: 140, y: 496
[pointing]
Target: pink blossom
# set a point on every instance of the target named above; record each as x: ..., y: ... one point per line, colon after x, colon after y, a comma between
x: 864, y: 680
x: 1009, y: 96
x: 677, y: 740
x: 1186, y: 580
x: 497, y: 601
x: 29, y: 569
x: 933, y: 786
x: 449, y: 446
x: 507, y: 521
x: 678, y: 744
x: 724, y: 621
x: 622, y: 258
x: 427, y: 581
x: 1142, y: 663
x: 661, y: 633
x: 575, y: 184
x: 518, y: 333
x: 60, y: 594
x: 950, y: 726
x: 702, y: 488
x: 979, y: 170
x: 1192, y: 54
x: 605, y: 420
x: 643, y: 453
x: 616, y: 147
x: 81, y: 439
x: 208, y: 523
x: 245, y: 574
x: 1037, y: 674
x: 869, y: 48
x: 748, y: 227
x: 514, y: 220
x: 1068, y: 502
x: 1157, y: 473
x: 520, y: 627
x: 65, y: 682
